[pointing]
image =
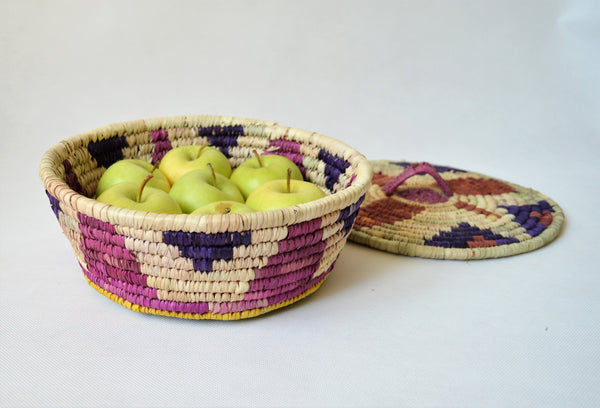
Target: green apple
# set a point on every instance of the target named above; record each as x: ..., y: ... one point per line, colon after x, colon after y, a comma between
x: 224, y: 207
x: 134, y: 171
x: 182, y: 159
x: 259, y: 169
x: 140, y: 197
x: 276, y: 194
x: 200, y: 187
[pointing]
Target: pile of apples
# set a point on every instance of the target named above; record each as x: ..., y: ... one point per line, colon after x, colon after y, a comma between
x: 200, y: 180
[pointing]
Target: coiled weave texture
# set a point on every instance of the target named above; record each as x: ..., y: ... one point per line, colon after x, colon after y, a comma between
x: 225, y: 267
x: 483, y: 217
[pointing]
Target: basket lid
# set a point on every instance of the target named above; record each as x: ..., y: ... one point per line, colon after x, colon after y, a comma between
x: 430, y: 211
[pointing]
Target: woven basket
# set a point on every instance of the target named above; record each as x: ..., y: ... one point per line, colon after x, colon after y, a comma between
x: 224, y: 267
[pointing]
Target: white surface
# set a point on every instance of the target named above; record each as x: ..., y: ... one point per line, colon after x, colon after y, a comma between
x: 506, y: 88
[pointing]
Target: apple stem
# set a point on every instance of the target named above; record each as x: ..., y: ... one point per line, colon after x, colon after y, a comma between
x: 200, y: 151
x: 257, y: 157
x: 155, y: 166
x: 289, y: 178
x: 139, y: 196
x: 223, y: 208
x: 214, y: 176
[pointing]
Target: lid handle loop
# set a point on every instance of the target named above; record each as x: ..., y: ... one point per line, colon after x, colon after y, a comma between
x: 412, y: 170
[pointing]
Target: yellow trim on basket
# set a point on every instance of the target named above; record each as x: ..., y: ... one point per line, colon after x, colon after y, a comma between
x: 203, y: 316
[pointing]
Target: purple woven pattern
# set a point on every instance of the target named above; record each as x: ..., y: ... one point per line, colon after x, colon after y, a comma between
x: 287, y: 274
x: 114, y: 268
x: 348, y: 215
x: 465, y: 235
x: 289, y: 149
x: 334, y: 167
x: 204, y: 249
x: 54, y: 204
x: 222, y: 137
x: 71, y: 177
x: 110, y: 264
x: 162, y: 144
x: 108, y: 151
x: 533, y: 218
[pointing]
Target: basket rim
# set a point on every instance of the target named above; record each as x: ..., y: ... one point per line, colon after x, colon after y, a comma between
x: 56, y: 186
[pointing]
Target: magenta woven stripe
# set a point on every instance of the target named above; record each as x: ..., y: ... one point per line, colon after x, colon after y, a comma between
x: 105, y: 252
x: 109, y: 272
x: 282, y: 280
x: 93, y: 274
x: 147, y: 297
x: 295, y: 255
x: 302, y: 241
x: 285, y: 146
x: 104, y: 238
x: 304, y: 228
x: 273, y: 300
x: 120, y: 257
x: 289, y: 149
x: 297, y: 158
x: 232, y: 307
x: 126, y: 291
x: 181, y: 307
x: 263, y: 294
x: 275, y: 270
x: 352, y: 178
x: 162, y: 144
x: 96, y: 224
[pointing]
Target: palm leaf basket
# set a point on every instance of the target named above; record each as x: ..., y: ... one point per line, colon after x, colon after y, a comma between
x: 225, y: 267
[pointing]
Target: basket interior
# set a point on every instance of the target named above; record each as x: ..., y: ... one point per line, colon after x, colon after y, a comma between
x: 85, y: 163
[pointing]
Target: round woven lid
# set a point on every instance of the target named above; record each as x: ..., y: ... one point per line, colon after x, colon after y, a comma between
x: 430, y: 211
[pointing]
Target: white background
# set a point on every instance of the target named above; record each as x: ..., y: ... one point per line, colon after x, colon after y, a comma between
x: 505, y: 88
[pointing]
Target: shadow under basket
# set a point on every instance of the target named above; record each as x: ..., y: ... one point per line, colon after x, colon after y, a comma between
x: 225, y: 267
